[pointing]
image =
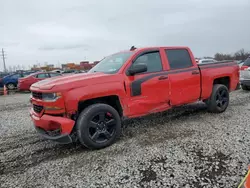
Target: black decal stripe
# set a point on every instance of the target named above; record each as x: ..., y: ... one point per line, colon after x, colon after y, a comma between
x: 136, y: 85
x: 217, y: 63
x: 217, y: 66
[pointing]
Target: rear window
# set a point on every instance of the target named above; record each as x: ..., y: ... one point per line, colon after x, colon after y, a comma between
x: 179, y: 59
x: 247, y: 62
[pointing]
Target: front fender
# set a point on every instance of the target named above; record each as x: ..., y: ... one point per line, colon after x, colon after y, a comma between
x: 74, y: 96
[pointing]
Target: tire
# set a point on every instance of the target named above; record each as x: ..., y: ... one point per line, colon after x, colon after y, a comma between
x: 219, y: 99
x: 98, y: 126
x: 10, y: 86
x: 244, y: 87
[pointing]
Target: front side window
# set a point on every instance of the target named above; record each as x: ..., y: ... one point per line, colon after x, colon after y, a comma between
x: 178, y: 59
x: 112, y: 64
x: 152, y: 60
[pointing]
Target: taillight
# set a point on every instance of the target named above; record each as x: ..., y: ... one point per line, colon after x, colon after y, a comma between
x: 243, y: 67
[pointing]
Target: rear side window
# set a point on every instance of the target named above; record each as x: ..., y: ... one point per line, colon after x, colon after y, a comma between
x: 247, y: 62
x: 178, y: 59
x: 42, y: 75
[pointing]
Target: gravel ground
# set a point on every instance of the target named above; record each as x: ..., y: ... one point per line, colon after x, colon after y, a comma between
x: 184, y: 147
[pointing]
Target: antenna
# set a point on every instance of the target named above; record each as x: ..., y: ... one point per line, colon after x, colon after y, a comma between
x: 132, y: 48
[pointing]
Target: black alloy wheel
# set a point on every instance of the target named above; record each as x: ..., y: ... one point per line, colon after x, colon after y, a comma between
x: 102, y: 127
x: 98, y: 126
x: 222, y: 99
x: 219, y: 99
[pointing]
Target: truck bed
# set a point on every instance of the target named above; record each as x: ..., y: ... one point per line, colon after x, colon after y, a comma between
x: 228, y: 70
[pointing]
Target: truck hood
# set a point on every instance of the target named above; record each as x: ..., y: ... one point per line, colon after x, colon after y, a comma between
x: 66, y: 82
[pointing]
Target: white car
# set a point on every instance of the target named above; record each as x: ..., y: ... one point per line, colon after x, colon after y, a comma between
x: 245, y: 74
x: 202, y: 61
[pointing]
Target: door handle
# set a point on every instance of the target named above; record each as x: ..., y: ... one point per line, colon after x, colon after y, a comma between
x: 163, y: 77
x: 195, y: 72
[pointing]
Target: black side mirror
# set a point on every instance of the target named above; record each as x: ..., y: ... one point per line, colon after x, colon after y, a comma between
x: 135, y: 69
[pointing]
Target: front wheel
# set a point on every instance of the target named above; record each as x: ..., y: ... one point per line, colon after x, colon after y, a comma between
x: 98, y: 126
x: 219, y: 99
x: 11, y: 86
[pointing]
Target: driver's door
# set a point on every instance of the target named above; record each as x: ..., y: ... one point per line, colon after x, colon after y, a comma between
x: 148, y: 92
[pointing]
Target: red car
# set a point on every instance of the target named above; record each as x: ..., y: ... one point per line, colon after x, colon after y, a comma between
x: 90, y: 107
x: 25, y: 83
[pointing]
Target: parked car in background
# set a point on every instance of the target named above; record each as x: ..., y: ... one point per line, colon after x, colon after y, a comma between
x: 241, y: 63
x: 245, y: 74
x: 25, y: 83
x: 11, y: 81
x: 201, y: 61
x: 72, y: 71
x: 57, y: 70
x: 2, y: 74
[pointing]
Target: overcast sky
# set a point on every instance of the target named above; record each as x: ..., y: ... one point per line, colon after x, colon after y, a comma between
x: 34, y: 31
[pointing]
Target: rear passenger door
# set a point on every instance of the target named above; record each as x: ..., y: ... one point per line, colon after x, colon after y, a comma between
x: 184, y: 77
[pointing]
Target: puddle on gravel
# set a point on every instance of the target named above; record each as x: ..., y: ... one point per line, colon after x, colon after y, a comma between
x: 210, y: 168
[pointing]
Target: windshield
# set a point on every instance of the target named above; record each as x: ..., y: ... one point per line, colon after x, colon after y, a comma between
x: 247, y: 62
x: 111, y: 64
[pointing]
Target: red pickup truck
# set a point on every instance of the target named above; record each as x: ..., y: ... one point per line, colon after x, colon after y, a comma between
x: 90, y: 107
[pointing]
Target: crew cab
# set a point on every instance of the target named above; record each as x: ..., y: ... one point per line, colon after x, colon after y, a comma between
x: 90, y: 107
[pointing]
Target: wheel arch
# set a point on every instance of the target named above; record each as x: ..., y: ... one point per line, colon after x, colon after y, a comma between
x: 112, y: 100
x: 225, y: 80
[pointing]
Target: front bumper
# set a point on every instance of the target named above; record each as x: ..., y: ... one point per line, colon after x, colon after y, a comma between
x: 245, y: 82
x: 47, y: 124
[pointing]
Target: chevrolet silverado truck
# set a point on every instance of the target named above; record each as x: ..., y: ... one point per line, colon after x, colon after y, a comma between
x: 90, y: 107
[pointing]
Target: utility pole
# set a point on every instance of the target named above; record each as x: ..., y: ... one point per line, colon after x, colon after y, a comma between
x: 3, y: 55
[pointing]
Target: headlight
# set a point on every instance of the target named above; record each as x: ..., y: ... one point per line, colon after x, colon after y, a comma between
x: 49, y: 97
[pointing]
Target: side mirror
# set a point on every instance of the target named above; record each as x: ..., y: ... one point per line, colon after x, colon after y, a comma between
x: 135, y: 69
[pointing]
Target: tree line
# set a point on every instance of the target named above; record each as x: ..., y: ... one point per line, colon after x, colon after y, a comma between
x: 239, y: 55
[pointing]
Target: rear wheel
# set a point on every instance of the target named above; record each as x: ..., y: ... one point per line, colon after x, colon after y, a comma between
x: 10, y: 86
x: 98, y: 126
x: 244, y: 87
x: 219, y: 99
